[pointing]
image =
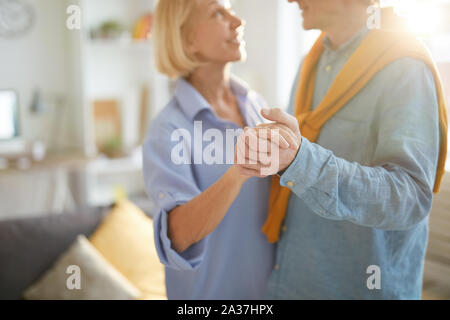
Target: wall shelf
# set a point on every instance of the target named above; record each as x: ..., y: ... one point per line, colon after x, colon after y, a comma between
x: 118, y: 69
x: 120, y: 43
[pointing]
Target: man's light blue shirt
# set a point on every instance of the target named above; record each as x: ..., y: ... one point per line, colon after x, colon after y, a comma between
x: 361, y: 194
x: 234, y: 261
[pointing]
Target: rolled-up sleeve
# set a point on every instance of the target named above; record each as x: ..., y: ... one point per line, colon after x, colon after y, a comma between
x: 169, y: 185
x: 395, y: 192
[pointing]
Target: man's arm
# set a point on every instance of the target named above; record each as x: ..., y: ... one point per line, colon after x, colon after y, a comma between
x: 395, y: 192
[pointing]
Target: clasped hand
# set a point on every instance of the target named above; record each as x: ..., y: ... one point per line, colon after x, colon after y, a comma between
x: 270, y: 147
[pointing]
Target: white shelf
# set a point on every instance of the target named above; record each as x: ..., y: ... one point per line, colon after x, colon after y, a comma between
x: 101, y: 177
x: 115, y: 166
x: 120, y: 43
x: 116, y: 69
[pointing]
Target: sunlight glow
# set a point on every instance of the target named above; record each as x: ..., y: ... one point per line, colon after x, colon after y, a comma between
x: 423, y: 16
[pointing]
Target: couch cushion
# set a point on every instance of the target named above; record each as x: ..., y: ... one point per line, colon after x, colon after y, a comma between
x: 82, y: 273
x: 125, y: 238
x: 28, y: 247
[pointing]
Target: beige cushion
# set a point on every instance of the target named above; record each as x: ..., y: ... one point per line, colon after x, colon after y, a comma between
x: 125, y: 239
x: 98, y: 279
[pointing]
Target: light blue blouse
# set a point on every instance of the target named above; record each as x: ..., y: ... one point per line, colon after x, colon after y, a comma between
x: 234, y: 261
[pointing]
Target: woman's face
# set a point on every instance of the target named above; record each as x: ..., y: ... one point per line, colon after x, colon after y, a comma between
x: 216, y: 33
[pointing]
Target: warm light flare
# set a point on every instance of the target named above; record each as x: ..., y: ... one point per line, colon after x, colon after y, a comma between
x: 423, y: 16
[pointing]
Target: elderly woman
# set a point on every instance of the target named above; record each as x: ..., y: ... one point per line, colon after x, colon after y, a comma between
x: 210, y: 213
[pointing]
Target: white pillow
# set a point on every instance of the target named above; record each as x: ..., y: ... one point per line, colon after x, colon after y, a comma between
x: 82, y: 273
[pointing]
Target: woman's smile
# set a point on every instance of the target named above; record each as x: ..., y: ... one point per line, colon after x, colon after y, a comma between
x: 236, y: 40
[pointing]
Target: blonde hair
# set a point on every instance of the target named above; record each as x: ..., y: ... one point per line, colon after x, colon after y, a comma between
x: 170, y: 32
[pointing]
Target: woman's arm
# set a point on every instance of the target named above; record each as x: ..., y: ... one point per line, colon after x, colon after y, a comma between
x: 196, y: 219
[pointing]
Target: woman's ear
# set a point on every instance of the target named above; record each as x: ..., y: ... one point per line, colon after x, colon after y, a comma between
x: 191, y: 43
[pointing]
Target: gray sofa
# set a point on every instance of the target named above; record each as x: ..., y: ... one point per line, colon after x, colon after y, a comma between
x: 28, y: 247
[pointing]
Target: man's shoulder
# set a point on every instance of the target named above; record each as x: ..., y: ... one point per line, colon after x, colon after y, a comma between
x: 405, y: 69
x: 404, y: 79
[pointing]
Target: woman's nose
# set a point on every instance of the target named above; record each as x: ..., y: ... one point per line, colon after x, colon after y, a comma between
x: 236, y: 22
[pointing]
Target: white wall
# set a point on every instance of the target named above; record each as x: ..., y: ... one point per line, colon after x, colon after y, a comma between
x: 261, y: 27
x: 275, y: 44
x: 293, y: 44
x: 37, y: 61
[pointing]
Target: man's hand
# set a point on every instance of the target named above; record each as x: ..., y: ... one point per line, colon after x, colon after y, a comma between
x: 269, y: 148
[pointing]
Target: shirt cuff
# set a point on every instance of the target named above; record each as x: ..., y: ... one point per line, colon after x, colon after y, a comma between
x: 190, y: 259
x: 309, y: 169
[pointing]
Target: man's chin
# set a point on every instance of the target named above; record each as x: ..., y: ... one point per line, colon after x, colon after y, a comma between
x: 307, y: 26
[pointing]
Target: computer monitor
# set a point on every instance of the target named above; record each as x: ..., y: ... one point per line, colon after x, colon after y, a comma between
x: 9, y: 115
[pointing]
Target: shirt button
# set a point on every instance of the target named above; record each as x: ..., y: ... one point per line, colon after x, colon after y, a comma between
x: 290, y: 184
x: 161, y: 195
x: 284, y: 229
x: 277, y: 267
x: 328, y: 68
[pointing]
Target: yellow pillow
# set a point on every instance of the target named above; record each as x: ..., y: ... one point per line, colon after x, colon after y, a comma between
x: 125, y: 239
